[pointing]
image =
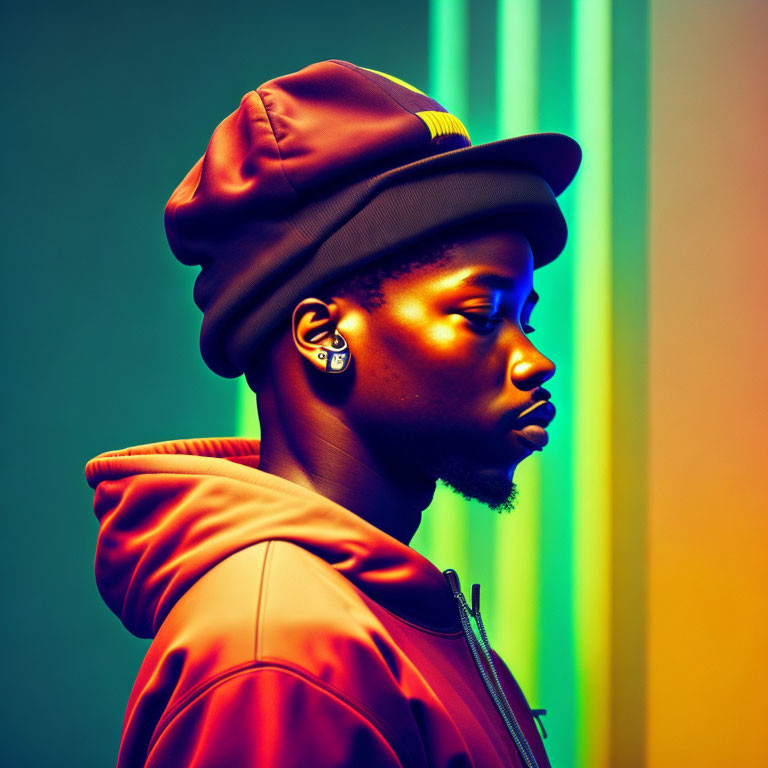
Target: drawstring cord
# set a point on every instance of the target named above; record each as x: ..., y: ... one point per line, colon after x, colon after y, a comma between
x: 537, y: 713
x: 496, y: 691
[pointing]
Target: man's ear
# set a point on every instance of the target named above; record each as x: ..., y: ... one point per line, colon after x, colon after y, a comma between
x: 313, y: 329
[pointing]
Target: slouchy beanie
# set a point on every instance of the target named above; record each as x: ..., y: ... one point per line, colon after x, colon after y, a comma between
x: 327, y: 169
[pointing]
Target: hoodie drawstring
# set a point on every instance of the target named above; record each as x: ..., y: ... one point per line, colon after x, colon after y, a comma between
x: 476, y: 647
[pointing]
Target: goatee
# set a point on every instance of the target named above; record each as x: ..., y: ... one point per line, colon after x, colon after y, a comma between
x: 498, y: 491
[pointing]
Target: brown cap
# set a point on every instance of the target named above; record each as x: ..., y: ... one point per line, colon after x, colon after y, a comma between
x: 329, y: 168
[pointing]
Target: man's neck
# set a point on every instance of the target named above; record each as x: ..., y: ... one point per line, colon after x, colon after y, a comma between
x: 314, y: 448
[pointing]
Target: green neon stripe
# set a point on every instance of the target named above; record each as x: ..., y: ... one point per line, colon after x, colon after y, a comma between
x: 443, y: 533
x: 516, y: 587
x: 592, y: 341
x: 514, y: 620
x: 246, y: 415
x: 517, y: 80
x: 482, y: 524
x: 448, y: 55
x: 552, y: 319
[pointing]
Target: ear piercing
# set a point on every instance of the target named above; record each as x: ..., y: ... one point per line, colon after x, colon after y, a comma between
x: 336, y: 359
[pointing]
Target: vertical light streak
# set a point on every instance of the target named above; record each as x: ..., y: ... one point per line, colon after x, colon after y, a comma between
x: 448, y: 55
x: 517, y: 536
x: 517, y: 80
x: 516, y: 588
x: 629, y: 568
x: 555, y: 284
x: 246, y: 415
x: 592, y: 343
x: 442, y: 536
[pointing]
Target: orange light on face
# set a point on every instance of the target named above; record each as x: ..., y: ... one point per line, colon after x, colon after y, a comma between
x: 410, y: 311
x: 351, y: 323
x: 453, y: 281
x: 443, y: 335
x: 520, y: 368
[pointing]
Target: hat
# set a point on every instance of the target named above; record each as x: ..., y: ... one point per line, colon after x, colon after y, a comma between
x: 329, y: 168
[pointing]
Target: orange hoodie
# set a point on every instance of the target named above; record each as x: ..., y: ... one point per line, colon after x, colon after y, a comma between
x: 287, y: 630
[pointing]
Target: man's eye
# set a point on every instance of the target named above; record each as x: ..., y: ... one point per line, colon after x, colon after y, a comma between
x: 488, y: 323
x: 483, y: 322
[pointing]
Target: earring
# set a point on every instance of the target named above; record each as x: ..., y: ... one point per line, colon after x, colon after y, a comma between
x: 336, y: 358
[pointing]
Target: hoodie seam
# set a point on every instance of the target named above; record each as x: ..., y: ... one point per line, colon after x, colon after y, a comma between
x: 232, y: 673
x: 262, y: 598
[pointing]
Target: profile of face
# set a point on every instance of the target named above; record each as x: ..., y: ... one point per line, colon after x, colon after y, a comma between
x: 444, y: 368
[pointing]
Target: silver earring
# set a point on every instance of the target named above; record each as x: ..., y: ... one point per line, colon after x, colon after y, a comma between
x: 336, y: 358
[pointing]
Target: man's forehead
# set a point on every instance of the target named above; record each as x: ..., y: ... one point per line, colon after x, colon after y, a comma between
x: 449, y: 277
x: 496, y: 281
x: 492, y: 258
x: 497, y: 246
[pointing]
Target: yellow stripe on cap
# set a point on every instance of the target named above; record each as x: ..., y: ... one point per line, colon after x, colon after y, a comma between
x: 395, y: 80
x: 444, y: 124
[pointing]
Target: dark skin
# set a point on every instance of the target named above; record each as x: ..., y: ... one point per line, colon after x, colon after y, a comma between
x: 439, y: 377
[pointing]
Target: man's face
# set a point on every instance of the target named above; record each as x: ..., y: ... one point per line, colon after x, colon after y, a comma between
x: 443, y: 368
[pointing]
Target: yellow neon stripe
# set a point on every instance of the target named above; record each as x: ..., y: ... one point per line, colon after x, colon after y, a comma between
x: 442, y: 535
x: 395, y: 80
x: 514, y: 610
x: 443, y: 124
x: 592, y: 320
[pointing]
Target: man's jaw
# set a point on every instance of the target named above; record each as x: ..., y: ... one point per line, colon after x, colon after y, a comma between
x: 493, y: 488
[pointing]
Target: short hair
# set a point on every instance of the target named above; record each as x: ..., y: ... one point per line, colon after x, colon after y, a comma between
x: 365, y: 284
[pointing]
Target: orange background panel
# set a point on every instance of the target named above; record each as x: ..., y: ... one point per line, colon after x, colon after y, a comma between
x: 708, y: 516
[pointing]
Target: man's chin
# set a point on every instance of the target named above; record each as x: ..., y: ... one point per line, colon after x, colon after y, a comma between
x: 494, y: 488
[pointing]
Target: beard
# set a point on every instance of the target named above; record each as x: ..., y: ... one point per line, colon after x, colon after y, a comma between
x: 498, y: 491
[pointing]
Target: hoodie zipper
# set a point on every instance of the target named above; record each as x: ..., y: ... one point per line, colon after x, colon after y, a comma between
x: 476, y: 647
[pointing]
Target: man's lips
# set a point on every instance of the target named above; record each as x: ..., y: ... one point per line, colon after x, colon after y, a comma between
x: 540, y: 413
x: 530, y: 424
x: 534, y: 435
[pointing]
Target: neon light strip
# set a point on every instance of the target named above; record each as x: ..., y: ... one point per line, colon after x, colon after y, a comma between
x: 442, y: 536
x: 515, y: 590
x: 592, y: 342
x: 448, y: 55
x: 517, y: 68
x: 246, y: 415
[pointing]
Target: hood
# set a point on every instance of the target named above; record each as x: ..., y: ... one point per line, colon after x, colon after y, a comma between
x: 168, y: 512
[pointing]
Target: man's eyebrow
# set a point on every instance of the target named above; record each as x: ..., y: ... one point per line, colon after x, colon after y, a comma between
x: 490, y: 280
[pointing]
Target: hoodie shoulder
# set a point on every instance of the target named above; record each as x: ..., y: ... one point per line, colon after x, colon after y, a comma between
x: 304, y: 598
x: 261, y: 604
x: 271, y: 605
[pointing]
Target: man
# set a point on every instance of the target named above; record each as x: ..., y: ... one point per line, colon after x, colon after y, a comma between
x: 371, y: 274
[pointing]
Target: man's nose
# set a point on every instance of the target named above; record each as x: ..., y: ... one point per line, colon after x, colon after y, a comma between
x: 529, y: 368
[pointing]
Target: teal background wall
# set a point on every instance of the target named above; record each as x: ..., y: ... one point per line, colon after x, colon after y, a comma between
x: 628, y: 591
x: 105, y: 107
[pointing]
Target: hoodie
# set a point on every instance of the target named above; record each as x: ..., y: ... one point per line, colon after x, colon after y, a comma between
x: 286, y: 630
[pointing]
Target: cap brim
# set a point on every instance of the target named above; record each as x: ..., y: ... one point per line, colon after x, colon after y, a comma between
x: 513, y: 181
x: 553, y: 156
